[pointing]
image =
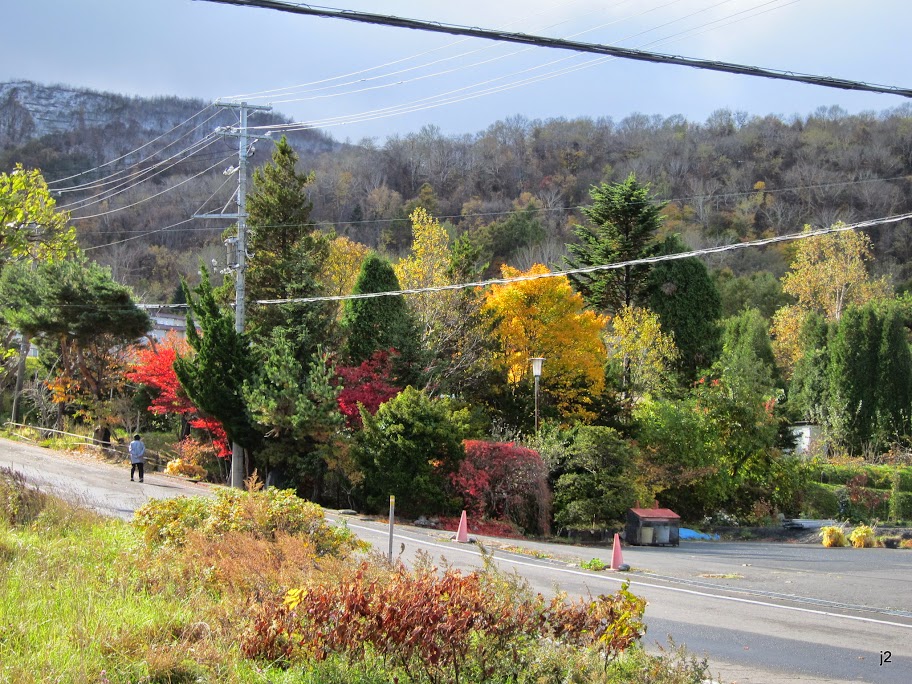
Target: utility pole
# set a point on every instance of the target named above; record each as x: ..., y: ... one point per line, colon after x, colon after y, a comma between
x: 239, y: 263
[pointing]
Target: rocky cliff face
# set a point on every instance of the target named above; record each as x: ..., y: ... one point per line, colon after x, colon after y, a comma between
x: 60, y: 128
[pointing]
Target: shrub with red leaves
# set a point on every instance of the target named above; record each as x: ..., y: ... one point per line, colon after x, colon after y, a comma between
x: 154, y: 367
x: 369, y: 385
x: 443, y: 623
x: 503, y: 481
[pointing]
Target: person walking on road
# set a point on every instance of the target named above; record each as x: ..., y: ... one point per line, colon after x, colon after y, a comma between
x: 137, y: 457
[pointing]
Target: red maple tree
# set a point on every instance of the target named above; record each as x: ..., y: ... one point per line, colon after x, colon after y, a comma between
x: 368, y: 384
x: 154, y: 367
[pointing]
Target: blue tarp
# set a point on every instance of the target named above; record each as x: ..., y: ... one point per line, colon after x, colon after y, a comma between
x: 684, y: 533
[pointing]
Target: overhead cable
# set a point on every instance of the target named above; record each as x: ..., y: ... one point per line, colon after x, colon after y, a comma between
x: 464, y: 67
x: 158, y: 194
x: 574, y: 271
x: 287, y: 91
x: 450, y: 97
x: 137, y: 178
x: 511, y: 212
x: 117, y: 176
x: 127, y: 154
x: 564, y: 44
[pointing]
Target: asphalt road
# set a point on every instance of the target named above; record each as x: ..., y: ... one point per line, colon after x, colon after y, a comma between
x: 760, y: 613
x: 103, y: 487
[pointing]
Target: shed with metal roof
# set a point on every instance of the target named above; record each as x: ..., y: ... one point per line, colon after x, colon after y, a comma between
x: 652, y: 527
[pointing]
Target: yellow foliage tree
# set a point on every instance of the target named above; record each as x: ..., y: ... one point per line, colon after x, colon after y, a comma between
x: 545, y: 317
x: 339, y: 271
x: 785, y: 329
x: 449, y: 321
x: 427, y: 265
x: 829, y: 273
x: 636, y: 335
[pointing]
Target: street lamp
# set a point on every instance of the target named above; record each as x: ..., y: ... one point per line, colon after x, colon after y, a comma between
x: 536, y: 372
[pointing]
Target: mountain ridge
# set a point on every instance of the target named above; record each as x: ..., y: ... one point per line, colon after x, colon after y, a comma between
x: 85, y: 127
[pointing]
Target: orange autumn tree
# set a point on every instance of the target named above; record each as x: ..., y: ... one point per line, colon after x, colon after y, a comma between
x: 545, y: 317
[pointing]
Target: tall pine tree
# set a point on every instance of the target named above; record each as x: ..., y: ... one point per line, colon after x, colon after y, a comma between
x: 286, y: 255
x: 624, y: 221
x: 687, y: 301
x: 870, y: 377
x: 214, y: 376
x: 376, y: 323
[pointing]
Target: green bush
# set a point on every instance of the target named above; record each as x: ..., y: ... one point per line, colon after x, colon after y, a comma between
x: 595, y: 478
x: 410, y: 449
x: 596, y: 564
x: 820, y: 501
x: 901, y: 508
x: 167, y: 521
x: 905, y: 479
x: 261, y: 514
x: 878, y: 476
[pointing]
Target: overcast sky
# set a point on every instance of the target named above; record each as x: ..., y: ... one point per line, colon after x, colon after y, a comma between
x: 348, y: 77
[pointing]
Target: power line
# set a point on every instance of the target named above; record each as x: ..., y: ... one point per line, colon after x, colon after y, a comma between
x: 127, y: 154
x: 287, y: 91
x: 558, y: 43
x: 450, y: 97
x: 116, y: 177
x: 511, y: 212
x: 136, y: 179
x: 158, y: 194
x: 587, y: 269
x: 599, y: 267
x: 142, y: 235
x: 462, y: 67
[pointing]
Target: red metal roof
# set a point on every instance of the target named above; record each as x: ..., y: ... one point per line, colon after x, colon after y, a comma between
x: 655, y: 513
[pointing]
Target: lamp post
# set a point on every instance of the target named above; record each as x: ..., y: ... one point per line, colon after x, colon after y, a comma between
x: 536, y: 372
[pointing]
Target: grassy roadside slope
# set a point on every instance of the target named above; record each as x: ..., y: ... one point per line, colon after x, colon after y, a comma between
x: 193, y: 592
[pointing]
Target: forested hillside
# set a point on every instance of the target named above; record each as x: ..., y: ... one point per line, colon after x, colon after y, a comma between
x: 514, y: 187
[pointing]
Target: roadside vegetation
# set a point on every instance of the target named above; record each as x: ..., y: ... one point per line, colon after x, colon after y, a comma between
x: 666, y: 382
x: 258, y: 587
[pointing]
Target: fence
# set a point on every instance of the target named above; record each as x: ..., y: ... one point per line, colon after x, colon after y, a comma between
x: 156, y: 460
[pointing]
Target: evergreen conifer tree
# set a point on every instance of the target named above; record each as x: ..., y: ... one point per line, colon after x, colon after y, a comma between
x: 286, y: 253
x: 378, y: 323
x: 808, y: 386
x: 687, y: 302
x: 214, y: 376
x: 624, y: 221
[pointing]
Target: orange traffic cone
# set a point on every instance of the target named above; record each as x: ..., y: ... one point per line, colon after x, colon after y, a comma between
x: 617, y: 559
x: 462, y: 532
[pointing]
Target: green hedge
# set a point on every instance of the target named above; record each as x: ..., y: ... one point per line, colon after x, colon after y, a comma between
x: 820, y: 501
x: 902, y: 506
x: 905, y: 479
x: 879, y: 477
x: 832, y: 501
